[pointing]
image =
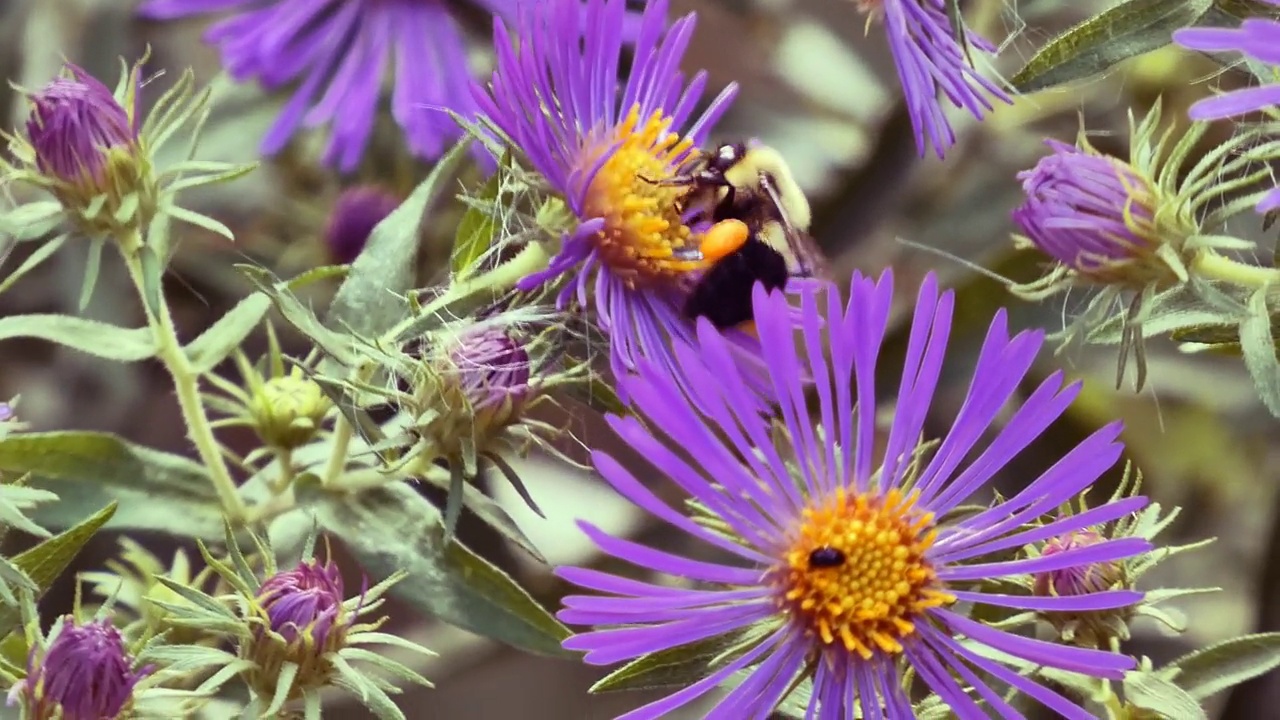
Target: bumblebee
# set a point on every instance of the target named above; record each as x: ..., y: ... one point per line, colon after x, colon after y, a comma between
x: 759, y: 221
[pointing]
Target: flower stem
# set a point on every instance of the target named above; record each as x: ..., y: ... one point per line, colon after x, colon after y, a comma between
x: 186, y: 383
x: 342, y: 431
x: 1212, y: 266
x: 529, y: 260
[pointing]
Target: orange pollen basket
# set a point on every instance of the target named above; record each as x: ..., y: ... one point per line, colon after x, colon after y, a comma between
x: 644, y: 239
x: 873, y: 582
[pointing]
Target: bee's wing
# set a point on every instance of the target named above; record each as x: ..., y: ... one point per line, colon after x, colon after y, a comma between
x: 795, y: 244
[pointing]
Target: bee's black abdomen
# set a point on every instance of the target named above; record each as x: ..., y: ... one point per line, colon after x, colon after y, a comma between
x: 723, y: 293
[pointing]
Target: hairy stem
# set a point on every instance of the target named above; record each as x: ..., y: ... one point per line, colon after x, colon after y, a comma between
x: 342, y: 432
x: 1212, y: 266
x: 186, y: 382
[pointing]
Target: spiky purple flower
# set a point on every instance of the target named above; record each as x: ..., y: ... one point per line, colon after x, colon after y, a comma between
x: 837, y: 554
x: 305, y: 601
x: 337, y: 53
x: 74, y: 125
x: 85, y: 673
x: 931, y: 61
x: 1259, y: 38
x: 1091, y: 212
x: 600, y: 144
x: 356, y: 213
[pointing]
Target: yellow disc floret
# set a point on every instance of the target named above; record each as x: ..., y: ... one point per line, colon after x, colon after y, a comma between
x: 856, y: 574
x: 644, y: 239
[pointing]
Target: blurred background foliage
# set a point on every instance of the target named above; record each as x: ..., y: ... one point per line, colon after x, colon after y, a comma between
x: 825, y: 94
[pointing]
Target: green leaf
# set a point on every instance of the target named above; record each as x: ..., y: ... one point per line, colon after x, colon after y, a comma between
x: 152, y: 278
x: 1150, y: 692
x: 215, y: 344
x: 478, y: 225
x: 1100, y: 42
x: 87, y: 336
x: 46, y: 561
x: 156, y: 490
x: 1258, y: 346
x: 677, y: 667
x: 34, y: 260
x: 393, y: 528
x: 371, y: 301
x: 92, y: 267
x: 1211, y: 670
x: 335, y: 345
x: 485, y: 509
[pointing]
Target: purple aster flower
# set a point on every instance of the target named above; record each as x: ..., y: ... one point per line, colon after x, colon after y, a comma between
x: 1258, y: 38
x: 1092, y: 212
x: 600, y: 143
x: 74, y: 125
x: 836, y: 562
x: 356, y: 213
x: 932, y: 61
x: 85, y: 673
x: 337, y: 51
x: 305, y: 601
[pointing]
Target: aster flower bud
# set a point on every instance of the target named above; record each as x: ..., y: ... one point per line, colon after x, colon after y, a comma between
x: 471, y: 390
x: 1093, y: 213
x: 85, y: 673
x: 356, y: 213
x: 492, y: 370
x: 300, y: 619
x: 1078, y: 579
x: 86, y: 144
x: 287, y: 410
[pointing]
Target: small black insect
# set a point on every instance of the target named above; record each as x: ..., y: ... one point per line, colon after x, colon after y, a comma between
x: 826, y: 557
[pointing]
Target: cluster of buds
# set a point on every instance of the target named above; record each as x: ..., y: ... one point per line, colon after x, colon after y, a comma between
x: 92, y: 150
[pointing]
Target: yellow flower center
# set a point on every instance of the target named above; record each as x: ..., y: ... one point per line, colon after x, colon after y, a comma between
x: 857, y: 574
x: 644, y: 239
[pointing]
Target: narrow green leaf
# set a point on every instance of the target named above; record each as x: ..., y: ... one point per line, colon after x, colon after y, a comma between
x: 156, y: 490
x: 677, y: 667
x: 215, y: 344
x: 1150, y: 692
x: 46, y: 561
x: 477, y: 227
x: 371, y: 300
x: 300, y: 316
x: 152, y: 277
x: 1209, y: 671
x: 1100, y: 42
x: 88, y: 336
x: 92, y: 267
x: 1258, y: 346
x: 393, y: 528
x: 486, y: 510
x: 31, y: 220
x: 34, y: 260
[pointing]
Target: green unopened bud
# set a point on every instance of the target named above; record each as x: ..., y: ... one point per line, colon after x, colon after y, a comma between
x: 287, y: 410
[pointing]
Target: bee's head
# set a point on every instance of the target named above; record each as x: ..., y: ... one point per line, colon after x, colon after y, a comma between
x: 725, y: 157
